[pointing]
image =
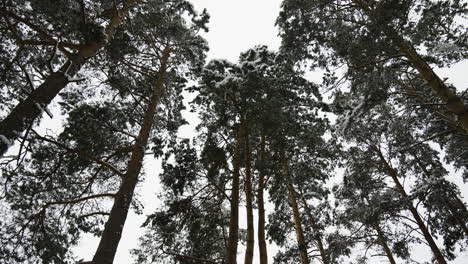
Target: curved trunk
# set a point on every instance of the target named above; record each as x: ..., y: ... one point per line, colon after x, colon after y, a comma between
x: 234, y: 215
x: 297, y: 217
x: 22, y: 116
x: 261, y: 206
x: 112, y: 233
x: 454, y: 103
x: 427, y: 235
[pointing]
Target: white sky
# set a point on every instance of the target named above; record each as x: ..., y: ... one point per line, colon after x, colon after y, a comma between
x: 235, y: 26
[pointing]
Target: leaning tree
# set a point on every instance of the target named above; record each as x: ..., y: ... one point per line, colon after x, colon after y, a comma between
x: 380, y: 50
x: 71, y: 33
x: 142, y: 96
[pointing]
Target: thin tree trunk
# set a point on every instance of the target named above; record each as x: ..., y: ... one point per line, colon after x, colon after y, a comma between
x: 383, y: 243
x: 297, y: 217
x: 427, y: 235
x: 453, y: 102
x: 451, y: 209
x: 112, y: 233
x: 261, y: 205
x: 22, y: 116
x: 248, y: 198
x: 234, y: 215
x: 381, y: 236
x: 317, y: 236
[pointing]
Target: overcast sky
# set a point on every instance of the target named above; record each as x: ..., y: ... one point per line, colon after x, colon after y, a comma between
x: 235, y: 26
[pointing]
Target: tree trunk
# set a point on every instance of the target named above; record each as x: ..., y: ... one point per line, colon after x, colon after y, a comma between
x: 234, y: 215
x: 383, y: 243
x: 427, y: 235
x: 22, y: 116
x: 112, y: 233
x: 317, y: 236
x: 453, y: 211
x: 453, y: 102
x: 248, y: 199
x: 297, y: 217
x: 261, y: 205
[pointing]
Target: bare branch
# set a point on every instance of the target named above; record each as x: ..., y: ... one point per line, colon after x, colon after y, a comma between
x: 51, y: 43
x: 427, y: 139
x: 93, y: 214
x: 77, y: 200
x: 82, y: 154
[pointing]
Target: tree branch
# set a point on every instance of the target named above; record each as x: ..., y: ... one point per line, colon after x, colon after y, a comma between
x: 50, y: 43
x: 93, y: 214
x: 79, y: 199
x: 81, y: 154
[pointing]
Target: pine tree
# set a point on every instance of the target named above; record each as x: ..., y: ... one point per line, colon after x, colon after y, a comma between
x: 380, y: 44
x: 251, y: 99
x: 367, y: 207
x: 390, y: 140
x: 174, y: 44
x: 74, y: 32
x: 180, y: 40
x: 62, y: 189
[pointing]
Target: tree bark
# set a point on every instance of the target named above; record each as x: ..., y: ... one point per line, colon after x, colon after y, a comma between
x: 383, y: 243
x: 234, y: 215
x: 112, y: 233
x: 454, y: 103
x: 248, y: 199
x: 22, y: 116
x: 261, y: 205
x: 427, y: 235
x: 297, y: 217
